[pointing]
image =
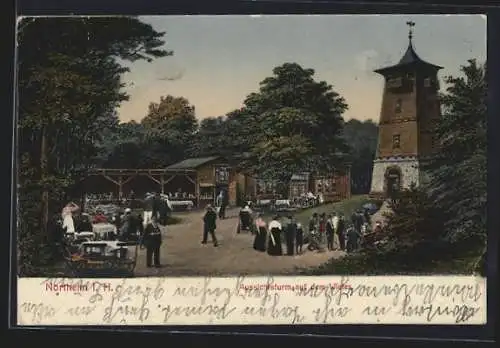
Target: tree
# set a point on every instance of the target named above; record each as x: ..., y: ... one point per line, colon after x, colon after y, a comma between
x: 294, y: 123
x: 69, y: 86
x: 123, y: 146
x: 458, y: 175
x: 361, y: 137
x: 213, y: 138
x: 170, y: 126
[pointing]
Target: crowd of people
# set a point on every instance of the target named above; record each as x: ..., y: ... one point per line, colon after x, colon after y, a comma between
x: 281, y: 235
x: 325, y: 232
x: 126, y: 225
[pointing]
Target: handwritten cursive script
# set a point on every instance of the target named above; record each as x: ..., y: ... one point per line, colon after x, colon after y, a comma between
x: 253, y: 300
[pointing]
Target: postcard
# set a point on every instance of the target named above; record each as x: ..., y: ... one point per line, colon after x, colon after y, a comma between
x: 243, y: 170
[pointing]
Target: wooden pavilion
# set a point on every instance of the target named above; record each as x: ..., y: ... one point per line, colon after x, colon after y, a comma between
x: 195, y: 179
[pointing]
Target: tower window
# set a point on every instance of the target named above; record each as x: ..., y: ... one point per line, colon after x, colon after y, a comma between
x: 396, y: 141
x: 427, y: 82
x: 395, y: 82
x: 399, y: 105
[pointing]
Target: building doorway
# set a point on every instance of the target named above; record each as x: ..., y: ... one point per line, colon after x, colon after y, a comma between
x: 392, y: 181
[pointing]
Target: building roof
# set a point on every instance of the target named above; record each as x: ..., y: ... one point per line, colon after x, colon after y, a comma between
x: 409, y: 58
x: 192, y: 163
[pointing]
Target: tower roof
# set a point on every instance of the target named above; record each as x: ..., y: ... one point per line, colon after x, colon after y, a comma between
x: 409, y: 58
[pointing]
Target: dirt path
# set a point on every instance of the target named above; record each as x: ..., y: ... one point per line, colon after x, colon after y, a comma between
x: 182, y: 253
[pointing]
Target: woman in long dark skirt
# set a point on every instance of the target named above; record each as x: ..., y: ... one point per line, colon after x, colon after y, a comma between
x: 274, y: 247
x: 259, y: 242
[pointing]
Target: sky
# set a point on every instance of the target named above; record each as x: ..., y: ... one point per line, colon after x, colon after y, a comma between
x: 219, y: 60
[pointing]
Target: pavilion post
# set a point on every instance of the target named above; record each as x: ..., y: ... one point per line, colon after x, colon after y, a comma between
x: 197, y: 192
x: 120, y: 187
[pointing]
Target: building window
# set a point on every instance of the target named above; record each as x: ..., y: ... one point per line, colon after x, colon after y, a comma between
x: 427, y: 82
x: 396, y: 144
x: 222, y: 175
x: 399, y: 105
x: 395, y: 82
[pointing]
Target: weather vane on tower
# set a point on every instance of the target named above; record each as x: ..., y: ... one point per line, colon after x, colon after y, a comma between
x: 410, y: 25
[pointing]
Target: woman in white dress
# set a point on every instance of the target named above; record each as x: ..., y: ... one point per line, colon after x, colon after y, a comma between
x: 67, y: 216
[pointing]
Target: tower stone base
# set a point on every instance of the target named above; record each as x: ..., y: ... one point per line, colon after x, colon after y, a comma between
x: 408, y: 168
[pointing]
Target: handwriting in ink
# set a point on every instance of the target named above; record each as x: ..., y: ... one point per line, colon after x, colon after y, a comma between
x: 123, y: 294
x: 336, y: 294
x: 213, y: 311
x: 205, y: 292
x: 461, y: 313
x: 376, y: 310
x: 327, y: 312
x: 39, y: 311
x: 81, y: 311
x: 275, y: 312
x: 125, y: 312
x: 429, y: 292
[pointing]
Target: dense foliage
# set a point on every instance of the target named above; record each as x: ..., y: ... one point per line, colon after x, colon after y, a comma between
x: 361, y: 136
x: 69, y: 87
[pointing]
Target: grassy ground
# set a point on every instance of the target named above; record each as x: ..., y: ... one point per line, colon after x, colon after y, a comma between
x: 345, y: 207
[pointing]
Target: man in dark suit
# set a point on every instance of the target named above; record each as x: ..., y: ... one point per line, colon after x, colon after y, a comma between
x: 290, y: 233
x: 209, y: 225
x: 152, y: 241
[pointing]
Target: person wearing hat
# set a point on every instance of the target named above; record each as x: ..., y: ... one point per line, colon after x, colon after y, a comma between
x: 330, y: 231
x: 127, y: 225
x: 152, y: 241
x: 84, y: 225
x: 275, y: 228
x: 340, y: 231
x: 245, y: 219
x: 260, y: 239
x: 99, y: 217
x: 209, y: 225
x: 299, y: 239
x: 290, y: 235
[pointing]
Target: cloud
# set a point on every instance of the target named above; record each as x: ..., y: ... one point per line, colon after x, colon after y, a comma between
x: 367, y: 60
x: 174, y: 75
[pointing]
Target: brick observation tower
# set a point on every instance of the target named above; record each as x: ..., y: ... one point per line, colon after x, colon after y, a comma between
x: 410, y: 104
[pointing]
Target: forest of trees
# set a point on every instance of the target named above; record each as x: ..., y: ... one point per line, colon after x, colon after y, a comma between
x: 294, y: 129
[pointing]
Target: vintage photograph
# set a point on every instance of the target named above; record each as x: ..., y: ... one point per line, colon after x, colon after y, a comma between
x: 175, y: 146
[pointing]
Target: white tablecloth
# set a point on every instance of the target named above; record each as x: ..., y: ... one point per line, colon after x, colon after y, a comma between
x: 181, y: 203
x: 283, y: 202
x: 110, y: 245
x: 103, y: 228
